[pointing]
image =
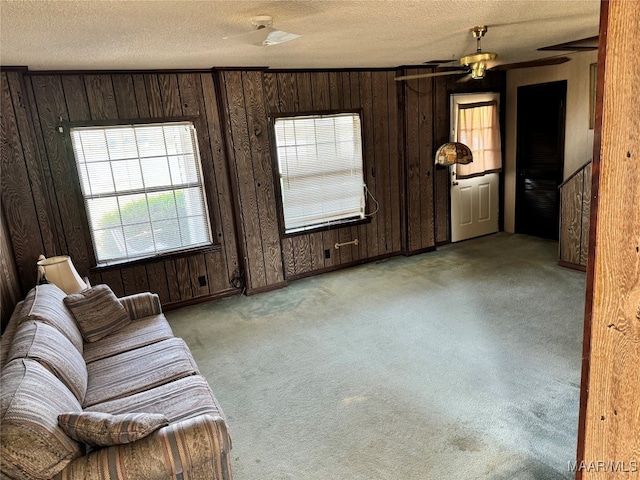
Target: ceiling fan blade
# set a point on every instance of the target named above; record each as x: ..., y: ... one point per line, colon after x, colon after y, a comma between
x: 584, y: 44
x: 278, y: 36
x: 427, y: 75
x: 439, y: 63
x: 263, y: 36
x: 542, y: 62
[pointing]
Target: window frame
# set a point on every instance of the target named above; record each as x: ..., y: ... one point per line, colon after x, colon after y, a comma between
x: 207, y: 179
x: 276, y: 173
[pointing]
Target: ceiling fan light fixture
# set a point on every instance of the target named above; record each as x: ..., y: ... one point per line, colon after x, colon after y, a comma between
x: 478, y: 61
x: 478, y: 70
x: 264, y: 33
x: 469, y: 60
x: 271, y: 36
x: 262, y: 21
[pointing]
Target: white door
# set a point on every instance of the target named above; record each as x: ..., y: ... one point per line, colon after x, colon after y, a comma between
x: 474, y: 201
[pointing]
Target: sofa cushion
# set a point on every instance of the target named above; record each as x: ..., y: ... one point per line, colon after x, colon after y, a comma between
x: 32, y: 445
x: 44, y: 343
x: 139, y: 333
x: 45, y: 303
x: 9, y: 332
x: 138, y: 370
x: 185, y: 398
x: 97, y: 311
x: 103, y: 429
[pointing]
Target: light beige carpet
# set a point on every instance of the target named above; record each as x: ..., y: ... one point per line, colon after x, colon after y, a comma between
x: 463, y: 363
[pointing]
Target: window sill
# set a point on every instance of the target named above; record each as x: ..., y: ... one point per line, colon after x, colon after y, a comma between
x: 156, y: 258
x: 324, y: 228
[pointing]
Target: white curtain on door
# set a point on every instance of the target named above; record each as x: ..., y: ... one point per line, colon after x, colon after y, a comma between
x: 479, y: 129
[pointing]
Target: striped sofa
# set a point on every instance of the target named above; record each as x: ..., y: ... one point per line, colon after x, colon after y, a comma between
x: 128, y: 405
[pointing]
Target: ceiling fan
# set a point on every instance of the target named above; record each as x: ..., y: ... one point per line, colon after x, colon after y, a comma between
x: 264, y: 34
x: 476, y: 63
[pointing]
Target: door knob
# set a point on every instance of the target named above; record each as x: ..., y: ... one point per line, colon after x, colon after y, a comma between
x: 454, y: 184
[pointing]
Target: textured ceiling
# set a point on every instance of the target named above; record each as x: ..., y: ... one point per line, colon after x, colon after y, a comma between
x: 149, y: 34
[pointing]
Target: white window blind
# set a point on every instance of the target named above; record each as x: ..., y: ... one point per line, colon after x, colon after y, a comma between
x: 320, y: 166
x: 479, y: 129
x: 142, y: 187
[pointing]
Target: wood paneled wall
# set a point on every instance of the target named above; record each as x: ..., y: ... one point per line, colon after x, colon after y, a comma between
x: 402, y: 126
x: 420, y: 170
x: 24, y: 201
x: 10, y: 291
x: 248, y: 143
x: 373, y: 92
x: 575, y: 208
x: 40, y: 182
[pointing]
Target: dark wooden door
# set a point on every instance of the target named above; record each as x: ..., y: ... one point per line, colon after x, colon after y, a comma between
x: 540, y: 158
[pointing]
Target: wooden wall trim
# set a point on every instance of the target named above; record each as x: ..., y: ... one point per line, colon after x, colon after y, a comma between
x: 167, y: 307
x: 232, y: 177
x: 266, y: 288
x: 572, y: 266
x: 577, y: 172
x: 595, y: 182
x: 151, y: 71
x: 330, y: 70
x: 208, y: 70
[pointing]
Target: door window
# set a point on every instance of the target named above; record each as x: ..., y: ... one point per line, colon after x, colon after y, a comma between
x: 479, y: 128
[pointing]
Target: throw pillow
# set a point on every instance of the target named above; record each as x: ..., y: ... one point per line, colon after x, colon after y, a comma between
x: 103, y: 429
x: 97, y: 311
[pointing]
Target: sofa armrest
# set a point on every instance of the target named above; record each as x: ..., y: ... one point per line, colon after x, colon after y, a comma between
x: 142, y: 305
x: 196, y: 448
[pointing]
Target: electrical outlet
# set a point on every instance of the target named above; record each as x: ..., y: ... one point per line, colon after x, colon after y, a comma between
x: 327, y: 253
x: 202, y: 280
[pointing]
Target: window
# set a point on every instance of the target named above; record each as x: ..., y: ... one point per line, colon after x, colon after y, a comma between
x: 479, y: 129
x: 142, y: 188
x: 320, y: 168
